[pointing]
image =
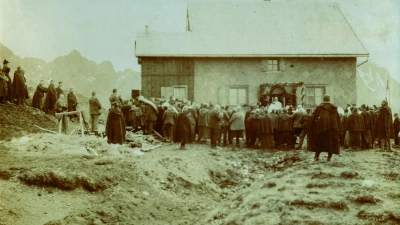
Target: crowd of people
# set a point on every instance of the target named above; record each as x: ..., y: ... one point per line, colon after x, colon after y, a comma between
x: 326, y: 128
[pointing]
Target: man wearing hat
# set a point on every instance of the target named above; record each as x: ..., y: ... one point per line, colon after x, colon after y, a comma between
x: 6, y: 71
x: 324, y: 129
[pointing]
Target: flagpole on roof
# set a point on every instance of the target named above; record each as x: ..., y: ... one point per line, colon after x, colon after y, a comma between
x: 387, y: 91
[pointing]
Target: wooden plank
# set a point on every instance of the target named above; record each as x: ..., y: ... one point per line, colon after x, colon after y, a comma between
x: 41, y: 128
x: 60, y: 125
x: 68, y: 113
x: 81, y: 124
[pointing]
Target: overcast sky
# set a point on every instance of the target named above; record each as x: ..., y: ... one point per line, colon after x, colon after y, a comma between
x: 106, y: 29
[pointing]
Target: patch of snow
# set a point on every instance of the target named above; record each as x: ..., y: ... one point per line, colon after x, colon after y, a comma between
x: 362, y: 75
x: 24, y: 140
x: 367, y: 183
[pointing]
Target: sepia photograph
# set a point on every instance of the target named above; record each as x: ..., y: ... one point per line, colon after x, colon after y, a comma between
x: 203, y: 112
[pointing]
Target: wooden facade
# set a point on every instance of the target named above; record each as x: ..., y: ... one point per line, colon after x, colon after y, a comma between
x: 161, y: 75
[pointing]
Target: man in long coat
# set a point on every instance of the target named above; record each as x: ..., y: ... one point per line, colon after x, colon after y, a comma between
x: 366, y: 140
x: 384, y: 125
x: 182, y: 128
x: 396, y: 126
x: 324, y: 129
x: 72, y: 103
x: 237, y: 127
x: 51, y: 98
x: 38, y: 96
x: 10, y: 93
x: 215, y: 125
x: 19, y: 86
x: 355, y: 126
x: 3, y: 88
x: 94, y: 111
x: 115, y: 126
x: 274, y: 117
x: 374, y: 117
x: 169, y: 117
x: 202, y: 122
x: 267, y: 131
x: 285, y: 129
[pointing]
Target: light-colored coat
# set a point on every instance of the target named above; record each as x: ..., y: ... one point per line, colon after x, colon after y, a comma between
x: 237, y: 121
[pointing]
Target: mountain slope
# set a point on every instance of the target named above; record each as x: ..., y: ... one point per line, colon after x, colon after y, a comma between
x: 78, y: 72
x: 372, y: 82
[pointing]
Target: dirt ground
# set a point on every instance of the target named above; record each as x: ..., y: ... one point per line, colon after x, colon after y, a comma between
x: 57, y: 179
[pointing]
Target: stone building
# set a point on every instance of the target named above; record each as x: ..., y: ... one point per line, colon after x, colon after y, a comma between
x: 239, y: 53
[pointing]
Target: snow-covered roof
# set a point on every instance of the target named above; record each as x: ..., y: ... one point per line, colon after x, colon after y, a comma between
x: 257, y: 29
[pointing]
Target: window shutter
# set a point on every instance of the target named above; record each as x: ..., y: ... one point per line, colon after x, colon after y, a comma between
x: 282, y: 65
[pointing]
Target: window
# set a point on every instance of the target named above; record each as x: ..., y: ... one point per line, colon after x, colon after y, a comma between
x: 315, y: 95
x: 238, y: 96
x: 180, y: 92
x: 270, y: 65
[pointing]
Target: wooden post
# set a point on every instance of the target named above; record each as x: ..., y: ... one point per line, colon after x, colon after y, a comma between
x: 81, y: 123
x: 60, y: 125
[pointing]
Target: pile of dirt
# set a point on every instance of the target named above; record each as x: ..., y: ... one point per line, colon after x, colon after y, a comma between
x: 287, y: 196
x: 57, y: 179
x: 17, y: 121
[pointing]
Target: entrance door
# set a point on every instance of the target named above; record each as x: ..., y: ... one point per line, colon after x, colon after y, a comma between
x: 180, y: 91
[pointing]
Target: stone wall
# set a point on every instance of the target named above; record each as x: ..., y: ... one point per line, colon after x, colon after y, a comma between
x: 214, y: 76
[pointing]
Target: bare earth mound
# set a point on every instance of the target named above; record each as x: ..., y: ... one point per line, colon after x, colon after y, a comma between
x: 58, y: 180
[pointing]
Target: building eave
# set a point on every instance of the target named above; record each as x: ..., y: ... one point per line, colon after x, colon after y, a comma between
x: 256, y: 55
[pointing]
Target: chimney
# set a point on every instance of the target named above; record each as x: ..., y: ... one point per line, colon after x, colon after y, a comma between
x: 146, y: 32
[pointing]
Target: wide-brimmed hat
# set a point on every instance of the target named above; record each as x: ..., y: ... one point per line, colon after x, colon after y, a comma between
x: 5, y: 61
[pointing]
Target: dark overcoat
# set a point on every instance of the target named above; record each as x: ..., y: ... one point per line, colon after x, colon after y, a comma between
x: 6, y: 72
x: 51, y: 97
x: 38, y: 96
x: 285, y: 122
x: 182, y: 129
x: 355, y: 122
x: 202, y: 121
x: 19, y: 84
x: 215, y: 119
x: 324, y: 129
x: 115, y: 127
x: 267, y: 125
x: 367, y: 119
x: 384, y: 123
x: 3, y: 85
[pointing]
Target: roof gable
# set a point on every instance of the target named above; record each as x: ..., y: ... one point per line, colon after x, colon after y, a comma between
x: 248, y: 29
